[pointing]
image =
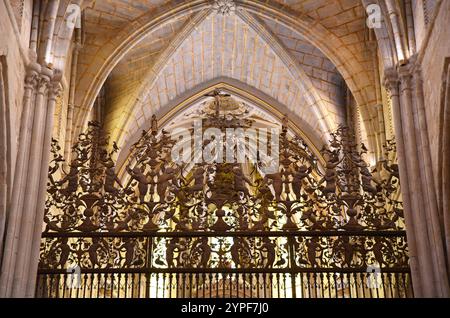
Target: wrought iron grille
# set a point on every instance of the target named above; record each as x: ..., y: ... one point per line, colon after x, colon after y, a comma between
x: 286, y: 275
x: 221, y: 229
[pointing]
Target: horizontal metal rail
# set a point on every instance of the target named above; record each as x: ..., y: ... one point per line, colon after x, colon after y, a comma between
x: 318, y: 233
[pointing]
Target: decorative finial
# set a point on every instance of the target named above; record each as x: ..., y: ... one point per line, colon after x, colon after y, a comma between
x: 154, y: 126
x: 224, y: 7
x: 216, y: 94
x: 284, y: 123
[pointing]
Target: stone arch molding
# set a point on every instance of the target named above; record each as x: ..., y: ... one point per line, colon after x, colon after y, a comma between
x: 314, y: 32
x: 303, y: 95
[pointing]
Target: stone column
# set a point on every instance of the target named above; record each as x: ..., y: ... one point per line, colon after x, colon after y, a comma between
x: 3, y: 156
x: 392, y: 85
x: 28, y: 196
x: 444, y: 180
x: 418, y: 202
x: 71, y: 104
x: 434, y: 219
x: 32, y: 184
x: 15, y: 208
x: 381, y: 135
x: 421, y: 214
x: 33, y: 253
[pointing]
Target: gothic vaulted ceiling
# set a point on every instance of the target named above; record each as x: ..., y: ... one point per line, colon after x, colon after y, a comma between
x: 298, y: 56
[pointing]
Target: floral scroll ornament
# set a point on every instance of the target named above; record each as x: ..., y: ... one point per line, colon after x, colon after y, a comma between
x: 224, y: 7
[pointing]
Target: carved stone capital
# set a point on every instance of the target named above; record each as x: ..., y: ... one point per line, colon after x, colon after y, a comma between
x: 391, y: 81
x: 416, y: 70
x: 31, y: 80
x: 54, y: 90
x: 55, y: 86
x: 32, y: 75
x: 42, y: 83
x: 406, y: 73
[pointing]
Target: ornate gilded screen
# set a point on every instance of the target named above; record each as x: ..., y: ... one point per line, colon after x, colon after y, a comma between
x: 159, y: 227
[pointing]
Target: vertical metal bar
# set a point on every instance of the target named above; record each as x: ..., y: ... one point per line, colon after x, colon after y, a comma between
x: 170, y: 285
x: 149, y: 252
x: 217, y: 285
x: 105, y: 285
x: 309, y: 284
x: 405, y: 286
x: 343, y: 288
x: 147, y: 284
x: 157, y: 284
x: 278, y: 285
x: 224, y: 280
x: 65, y: 285
x: 264, y: 284
x: 382, y: 284
x: 84, y: 282
x: 356, y: 284
x: 196, y: 284
x: 258, y: 279
x: 183, y: 277
x: 133, y: 284
x: 135, y: 277
x: 370, y: 285
x: 126, y: 286
x: 271, y: 284
x: 99, y: 276
x: 237, y: 285
x: 335, y: 285
x: 390, y: 284
x: 119, y: 279
x: 363, y: 284
x: 397, y: 285
x: 204, y: 285
x: 139, y: 283
x: 191, y: 285
x: 329, y: 284
x: 112, y: 285
x: 321, y: 287
x: 51, y: 286
x: 377, y: 288
x: 148, y: 265
x: 164, y: 285
x: 57, y: 285
x: 349, y: 284
x: 230, y: 284
x: 210, y: 284
x: 252, y: 285
x: 294, y: 287
x: 70, y: 290
x: 243, y: 283
x: 315, y: 284
x: 301, y: 284
x: 292, y: 264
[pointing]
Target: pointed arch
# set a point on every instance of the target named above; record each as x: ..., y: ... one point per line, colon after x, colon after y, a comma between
x: 302, y: 128
x: 314, y: 102
x: 153, y: 73
x: 352, y: 70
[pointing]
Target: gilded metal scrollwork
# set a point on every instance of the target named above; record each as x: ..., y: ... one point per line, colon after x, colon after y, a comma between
x: 342, y: 214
